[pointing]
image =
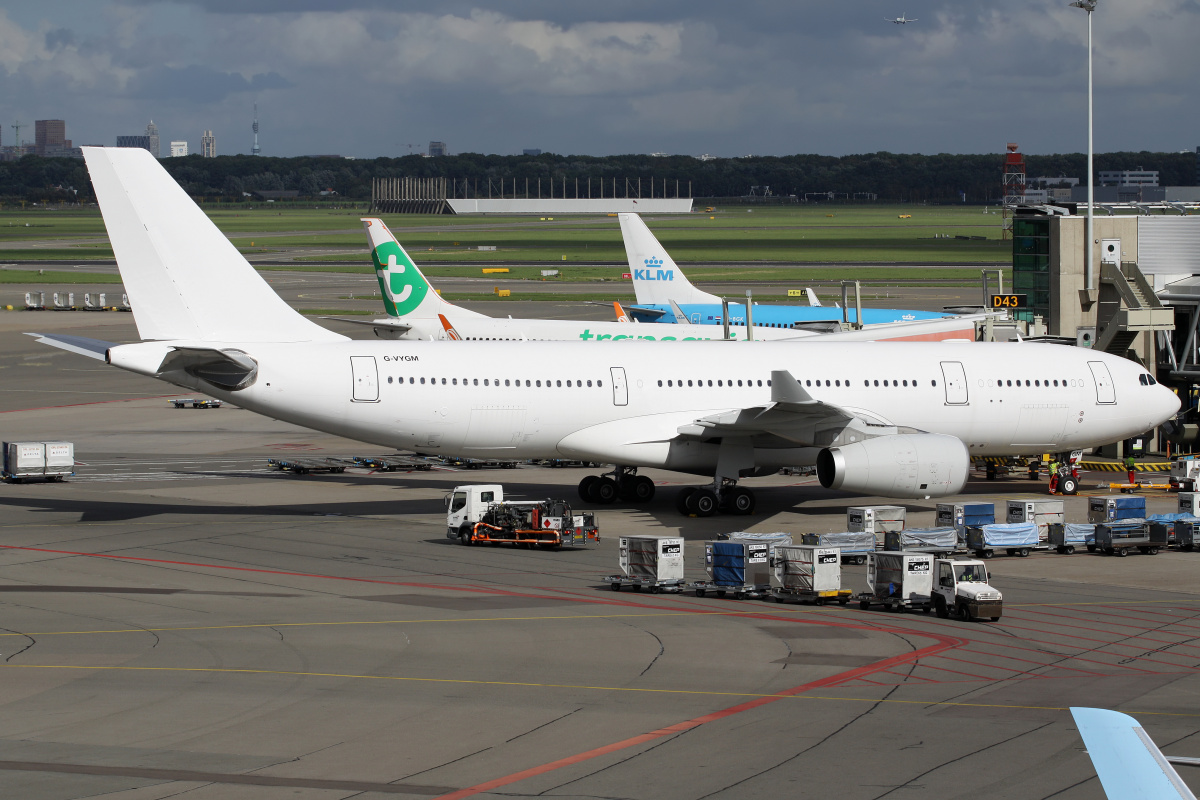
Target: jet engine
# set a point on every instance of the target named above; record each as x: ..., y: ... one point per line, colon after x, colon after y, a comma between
x: 904, y: 465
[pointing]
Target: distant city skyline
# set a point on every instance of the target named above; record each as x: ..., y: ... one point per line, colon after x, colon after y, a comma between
x: 359, y: 77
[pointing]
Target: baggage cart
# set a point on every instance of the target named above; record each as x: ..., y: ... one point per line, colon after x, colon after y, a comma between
x: 1042, y: 513
x: 1167, y: 522
x: 808, y: 573
x: 304, y: 466
x: 735, y: 566
x: 939, y: 541
x: 961, y: 516
x: 898, y: 580
x: 23, y: 460
x: 1187, y: 534
x: 195, y: 402
x: 1016, y: 539
x: 1112, y: 507
x: 392, y: 463
x: 60, y: 460
x: 1066, y: 536
x: 1117, y: 538
x: 651, y: 562
x: 854, y: 546
x: 35, y: 301
x: 1189, y: 502
x: 875, y: 519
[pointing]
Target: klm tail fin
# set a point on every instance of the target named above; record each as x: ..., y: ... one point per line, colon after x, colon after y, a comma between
x: 184, y: 278
x: 406, y: 291
x: 656, y: 278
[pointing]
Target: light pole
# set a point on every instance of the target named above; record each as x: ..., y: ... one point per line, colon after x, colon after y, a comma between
x: 1089, y: 275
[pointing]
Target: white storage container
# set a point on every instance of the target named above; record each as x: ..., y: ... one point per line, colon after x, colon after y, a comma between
x: 60, y: 458
x: 1042, y: 513
x: 656, y: 558
x: 900, y: 574
x: 1189, y: 503
x: 24, y: 460
x: 875, y: 519
x: 802, y: 569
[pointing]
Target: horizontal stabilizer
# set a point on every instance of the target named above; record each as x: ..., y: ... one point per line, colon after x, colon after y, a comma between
x: 389, y: 324
x: 1130, y: 765
x: 92, y: 348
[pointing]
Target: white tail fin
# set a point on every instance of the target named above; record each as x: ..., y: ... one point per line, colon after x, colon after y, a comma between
x: 184, y: 278
x: 813, y: 300
x: 406, y: 291
x: 656, y: 279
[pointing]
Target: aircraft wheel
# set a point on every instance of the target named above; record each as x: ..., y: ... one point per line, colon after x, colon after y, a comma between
x: 1069, y: 486
x: 703, y: 503
x: 605, y: 491
x: 681, y: 500
x: 585, y: 488
x: 741, y: 501
x: 641, y: 489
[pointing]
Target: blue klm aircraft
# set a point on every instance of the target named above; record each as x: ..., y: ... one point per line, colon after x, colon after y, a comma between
x: 664, y: 294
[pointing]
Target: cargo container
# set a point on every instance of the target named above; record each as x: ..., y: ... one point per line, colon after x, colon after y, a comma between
x: 771, y: 539
x: 24, y: 460
x: 1187, y: 534
x: 853, y: 545
x: 961, y: 516
x: 1118, y: 537
x: 1066, y: 536
x: 1042, y: 513
x: 1167, y: 523
x: 736, y: 566
x: 654, y: 562
x: 1189, y: 502
x: 1016, y: 539
x: 806, y: 572
x: 898, y: 579
x: 60, y: 460
x: 875, y: 519
x: 1112, y: 507
x: 939, y: 541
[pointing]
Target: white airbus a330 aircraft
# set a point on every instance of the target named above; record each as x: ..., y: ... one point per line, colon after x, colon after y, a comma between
x: 416, y: 311
x: 892, y: 419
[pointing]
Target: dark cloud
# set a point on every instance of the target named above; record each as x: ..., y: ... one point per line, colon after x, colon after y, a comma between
x: 196, y: 84
x: 59, y: 37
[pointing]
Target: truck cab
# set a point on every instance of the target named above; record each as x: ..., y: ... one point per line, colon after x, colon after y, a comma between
x: 960, y: 586
x: 467, y: 504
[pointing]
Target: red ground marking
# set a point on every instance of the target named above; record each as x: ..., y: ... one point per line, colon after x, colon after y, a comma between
x: 943, y: 643
x: 1098, y: 641
x: 1160, y: 613
x: 979, y: 664
x: 1115, y: 624
x: 93, y: 403
x: 925, y: 665
x: 1089, y: 660
x: 1027, y: 661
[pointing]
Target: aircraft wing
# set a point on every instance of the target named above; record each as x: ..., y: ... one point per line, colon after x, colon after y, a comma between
x: 792, y: 415
x: 1130, y: 765
x: 389, y: 324
x: 92, y: 348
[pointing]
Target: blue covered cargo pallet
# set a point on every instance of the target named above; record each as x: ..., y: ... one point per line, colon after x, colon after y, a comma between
x: 939, y: 541
x: 1015, y: 538
x: 854, y: 544
x: 740, y: 567
x: 1065, y: 537
x: 1118, y: 538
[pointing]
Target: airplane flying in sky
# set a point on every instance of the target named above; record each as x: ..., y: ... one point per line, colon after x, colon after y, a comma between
x: 895, y: 419
x: 900, y: 20
x: 416, y: 311
x: 662, y: 289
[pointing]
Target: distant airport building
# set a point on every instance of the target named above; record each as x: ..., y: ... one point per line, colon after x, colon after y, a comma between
x: 1128, y: 177
x: 50, y: 134
x: 178, y: 149
x: 529, y: 196
x: 152, y: 135
x: 437, y: 149
x: 537, y: 151
x: 134, y: 141
x: 208, y: 145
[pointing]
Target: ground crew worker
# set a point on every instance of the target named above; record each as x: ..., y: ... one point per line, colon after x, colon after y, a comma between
x: 1131, y: 465
x: 1054, y: 477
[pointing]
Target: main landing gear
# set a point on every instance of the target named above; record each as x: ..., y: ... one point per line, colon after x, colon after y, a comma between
x: 623, y: 483
x: 723, y: 496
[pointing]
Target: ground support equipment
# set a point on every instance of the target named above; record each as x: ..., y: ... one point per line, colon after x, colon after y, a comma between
x: 637, y: 583
x: 304, y: 466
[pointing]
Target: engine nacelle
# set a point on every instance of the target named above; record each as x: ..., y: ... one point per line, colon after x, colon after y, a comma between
x: 903, y: 465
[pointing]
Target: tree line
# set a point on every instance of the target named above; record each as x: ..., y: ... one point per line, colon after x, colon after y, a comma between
x: 896, y: 177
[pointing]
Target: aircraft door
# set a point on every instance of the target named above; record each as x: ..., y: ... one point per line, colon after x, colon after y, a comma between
x: 620, y: 388
x: 956, y: 383
x: 1105, y: 391
x: 696, y: 317
x: 366, y: 379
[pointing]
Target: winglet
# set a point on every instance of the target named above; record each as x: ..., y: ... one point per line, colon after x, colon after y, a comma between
x: 451, y: 334
x: 1129, y: 764
x: 620, y: 312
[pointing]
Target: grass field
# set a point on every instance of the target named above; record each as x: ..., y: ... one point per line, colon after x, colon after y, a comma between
x: 787, y: 234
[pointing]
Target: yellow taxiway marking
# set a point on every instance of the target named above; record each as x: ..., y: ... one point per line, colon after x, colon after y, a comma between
x: 755, y: 612
x: 573, y: 687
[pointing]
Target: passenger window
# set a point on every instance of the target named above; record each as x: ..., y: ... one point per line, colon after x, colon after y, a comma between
x: 589, y: 383
x: 422, y: 381
x: 710, y: 383
x: 760, y: 383
x: 506, y: 381
x: 934, y: 383
x: 739, y: 383
x: 599, y: 383
x: 719, y: 383
x: 389, y: 378
x: 556, y: 383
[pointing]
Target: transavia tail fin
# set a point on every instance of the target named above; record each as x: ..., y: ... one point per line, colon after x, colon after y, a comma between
x: 813, y: 300
x: 451, y: 334
x: 184, y: 278
x: 656, y: 279
x: 1126, y: 759
x: 406, y: 291
x: 620, y: 312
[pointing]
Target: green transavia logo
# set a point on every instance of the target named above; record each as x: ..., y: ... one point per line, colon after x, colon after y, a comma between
x: 403, y: 288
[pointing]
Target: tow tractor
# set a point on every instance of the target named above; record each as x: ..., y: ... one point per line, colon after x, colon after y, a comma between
x: 480, y: 514
x: 961, y: 587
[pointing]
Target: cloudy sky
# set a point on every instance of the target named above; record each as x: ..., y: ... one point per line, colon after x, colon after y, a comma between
x: 728, y: 77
